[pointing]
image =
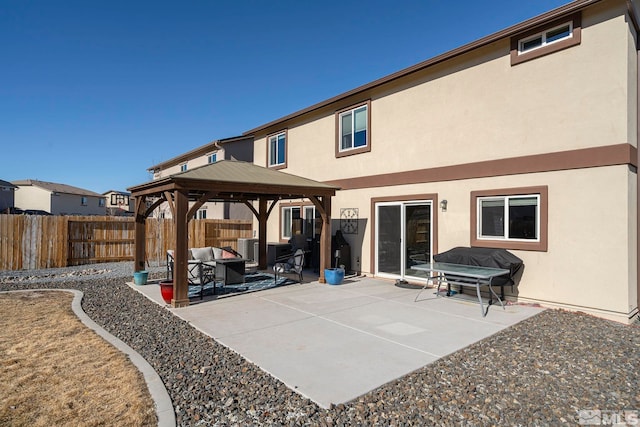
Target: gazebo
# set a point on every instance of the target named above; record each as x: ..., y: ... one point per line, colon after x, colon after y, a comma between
x: 231, y: 181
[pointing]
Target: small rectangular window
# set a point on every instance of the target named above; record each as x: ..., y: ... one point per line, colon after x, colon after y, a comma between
x: 212, y: 158
x: 543, y: 40
x: 353, y: 130
x: 510, y: 219
x: 277, y: 150
x: 83, y: 201
x: 183, y: 167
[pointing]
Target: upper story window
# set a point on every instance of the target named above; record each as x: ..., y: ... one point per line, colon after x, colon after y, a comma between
x: 83, y: 200
x: 510, y: 219
x: 277, y: 150
x: 119, y: 199
x: 101, y: 203
x: 555, y: 36
x: 183, y: 167
x: 212, y: 158
x: 353, y: 130
x: 545, y: 38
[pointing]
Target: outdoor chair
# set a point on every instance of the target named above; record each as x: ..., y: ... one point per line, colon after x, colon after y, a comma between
x: 199, y: 272
x: 293, y: 265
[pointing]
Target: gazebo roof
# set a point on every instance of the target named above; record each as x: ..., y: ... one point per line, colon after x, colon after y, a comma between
x: 232, y: 179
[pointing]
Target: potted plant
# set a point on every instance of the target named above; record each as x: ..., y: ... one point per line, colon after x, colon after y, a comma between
x: 166, y: 290
x: 334, y: 276
x: 140, y: 277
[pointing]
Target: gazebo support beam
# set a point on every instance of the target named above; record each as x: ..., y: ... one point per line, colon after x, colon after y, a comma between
x: 263, y: 214
x: 140, y: 234
x: 180, y: 284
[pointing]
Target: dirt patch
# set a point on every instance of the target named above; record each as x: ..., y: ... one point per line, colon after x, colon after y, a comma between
x: 56, y: 371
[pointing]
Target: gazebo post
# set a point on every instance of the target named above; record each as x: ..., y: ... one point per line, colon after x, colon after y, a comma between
x: 262, y: 233
x: 325, y: 238
x: 140, y: 234
x: 180, y: 284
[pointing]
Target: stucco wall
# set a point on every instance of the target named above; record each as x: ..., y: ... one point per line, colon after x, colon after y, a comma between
x: 29, y: 197
x: 70, y: 204
x: 478, y: 107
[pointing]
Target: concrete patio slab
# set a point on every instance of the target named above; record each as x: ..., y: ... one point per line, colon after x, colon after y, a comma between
x: 335, y: 343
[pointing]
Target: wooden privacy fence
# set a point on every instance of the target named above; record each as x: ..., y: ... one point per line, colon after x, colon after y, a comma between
x: 35, y: 241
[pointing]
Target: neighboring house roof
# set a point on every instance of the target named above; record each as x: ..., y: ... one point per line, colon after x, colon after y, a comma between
x: 124, y: 193
x: 508, y: 32
x: 239, y: 177
x: 56, y: 188
x: 196, y: 152
x: 6, y: 184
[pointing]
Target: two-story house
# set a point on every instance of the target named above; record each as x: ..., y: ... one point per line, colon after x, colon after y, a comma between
x: 7, y: 196
x: 57, y: 199
x: 525, y: 140
x: 118, y: 203
x: 235, y: 148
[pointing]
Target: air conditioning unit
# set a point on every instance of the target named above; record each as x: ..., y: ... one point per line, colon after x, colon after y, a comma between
x: 246, y: 248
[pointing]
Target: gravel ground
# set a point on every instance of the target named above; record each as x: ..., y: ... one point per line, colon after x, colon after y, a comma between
x: 542, y: 371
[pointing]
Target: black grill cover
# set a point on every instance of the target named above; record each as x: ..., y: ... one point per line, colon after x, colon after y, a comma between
x: 484, y: 257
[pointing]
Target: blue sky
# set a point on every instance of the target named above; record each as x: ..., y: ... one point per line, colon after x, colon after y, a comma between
x: 92, y: 93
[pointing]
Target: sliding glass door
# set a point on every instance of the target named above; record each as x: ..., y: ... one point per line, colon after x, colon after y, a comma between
x: 403, y: 238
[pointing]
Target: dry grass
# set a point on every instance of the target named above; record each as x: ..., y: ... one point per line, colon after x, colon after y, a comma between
x: 56, y: 371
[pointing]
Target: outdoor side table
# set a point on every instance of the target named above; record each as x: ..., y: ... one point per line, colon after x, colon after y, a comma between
x: 230, y: 271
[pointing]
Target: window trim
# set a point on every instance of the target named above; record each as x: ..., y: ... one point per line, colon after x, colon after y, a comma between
x: 286, y: 149
x: 575, y: 20
x: 540, y: 245
x: 351, y: 151
x: 183, y: 167
x: 213, y: 155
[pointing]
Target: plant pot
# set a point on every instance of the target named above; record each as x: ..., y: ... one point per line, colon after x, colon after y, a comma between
x: 166, y: 290
x: 140, y: 277
x: 334, y: 276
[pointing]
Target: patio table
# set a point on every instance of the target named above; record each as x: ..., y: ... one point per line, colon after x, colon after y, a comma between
x: 230, y: 270
x: 462, y: 275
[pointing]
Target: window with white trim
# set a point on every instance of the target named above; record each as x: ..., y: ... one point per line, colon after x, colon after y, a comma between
x: 549, y: 38
x: 545, y: 38
x: 201, y: 214
x: 277, y: 146
x: 354, y: 125
x: 212, y: 158
x: 299, y: 219
x: 290, y: 221
x: 514, y: 218
x: 183, y: 167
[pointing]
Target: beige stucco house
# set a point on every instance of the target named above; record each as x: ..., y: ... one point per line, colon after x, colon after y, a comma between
x: 525, y: 140
x: 118, y: 203
x: 57, y: 199
x: 235, y: 148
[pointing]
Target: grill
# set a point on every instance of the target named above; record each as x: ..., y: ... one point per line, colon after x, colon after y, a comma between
x: 485, y: 257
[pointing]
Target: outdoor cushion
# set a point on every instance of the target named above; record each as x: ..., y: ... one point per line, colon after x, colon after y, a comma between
x: 227, y: 254
x: 202, y: 254
x: 217, y: 253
